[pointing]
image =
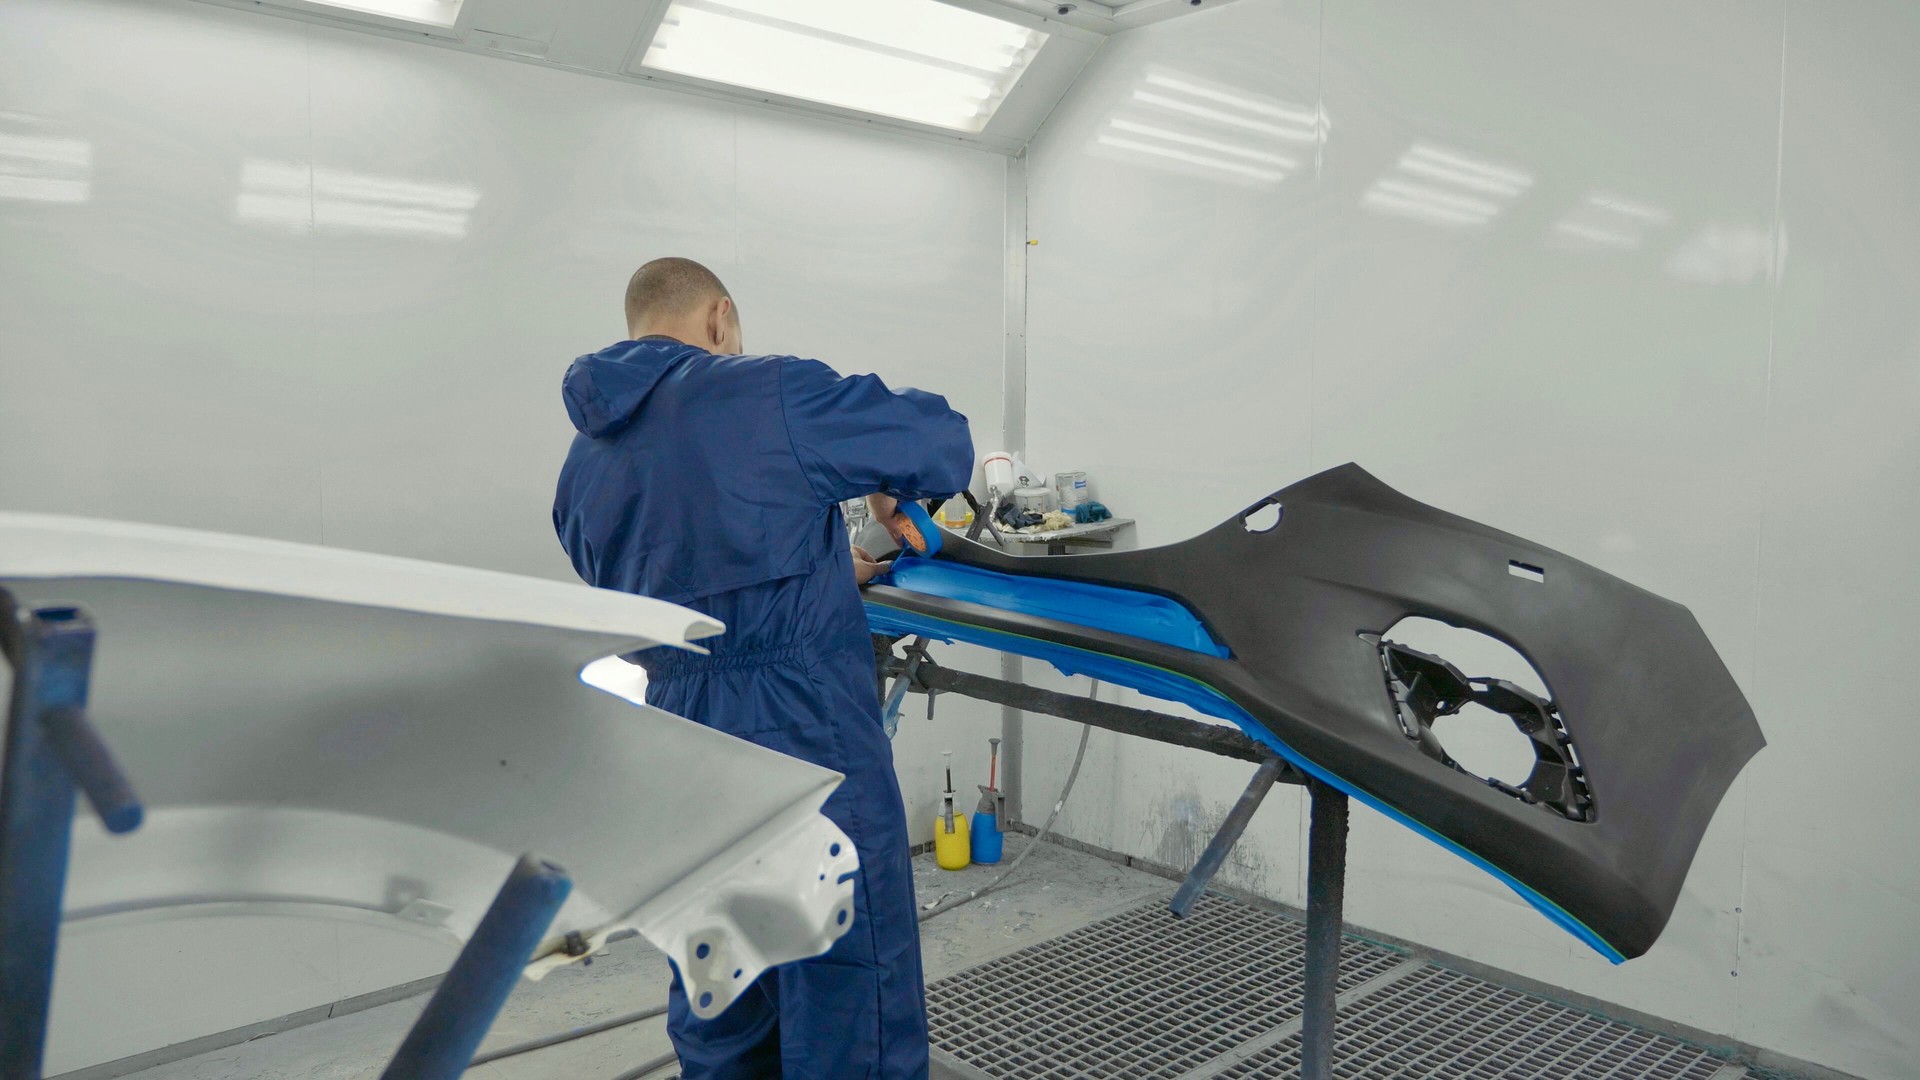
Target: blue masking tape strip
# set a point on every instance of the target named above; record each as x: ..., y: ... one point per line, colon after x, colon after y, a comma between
x: 1173, y: 686
x: 1100, y: 607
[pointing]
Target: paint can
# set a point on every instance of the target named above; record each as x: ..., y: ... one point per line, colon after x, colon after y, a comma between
x: 1036, y: 499
x: 1070, y: 488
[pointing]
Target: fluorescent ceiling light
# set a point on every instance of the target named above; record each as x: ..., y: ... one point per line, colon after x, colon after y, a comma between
x: 918, y: 60
x: 440, y: 14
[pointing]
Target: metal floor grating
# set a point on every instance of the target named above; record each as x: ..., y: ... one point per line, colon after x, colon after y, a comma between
x: 1439, y: 1023
x: 1217, y: 995
x: 1141, y: 994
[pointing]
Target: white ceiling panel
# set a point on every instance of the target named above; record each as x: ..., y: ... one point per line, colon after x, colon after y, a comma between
x: 609, y: 38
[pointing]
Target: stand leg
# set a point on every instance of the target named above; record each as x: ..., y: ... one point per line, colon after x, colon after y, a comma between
x: 1223, y: 840
x: 1326, y: 892
x: 449, y: 1030
x: 51, y: 653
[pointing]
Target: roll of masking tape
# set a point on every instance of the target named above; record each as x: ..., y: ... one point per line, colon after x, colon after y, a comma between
x: 922, y: 535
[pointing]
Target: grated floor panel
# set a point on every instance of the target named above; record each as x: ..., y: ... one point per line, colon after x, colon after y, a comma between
x: 1439, y: 1023
x: 1143, y: 994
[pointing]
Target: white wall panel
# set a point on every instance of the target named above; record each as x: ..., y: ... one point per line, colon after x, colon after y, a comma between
x: 274, y: 278
x: 1534, y: 275
x: 1831, y: 914
x: 156, y: 355
x: 1170, y: 354
x: 1538, y: 364
x: 322, y: 285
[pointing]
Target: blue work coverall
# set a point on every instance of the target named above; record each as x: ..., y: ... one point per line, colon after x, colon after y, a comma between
x: 714, y: 482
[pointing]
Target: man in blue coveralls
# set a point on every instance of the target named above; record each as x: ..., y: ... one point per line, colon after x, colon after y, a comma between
x: 713, y: 480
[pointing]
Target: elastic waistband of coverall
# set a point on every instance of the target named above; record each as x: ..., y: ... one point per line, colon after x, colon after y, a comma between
x: 667, y: 663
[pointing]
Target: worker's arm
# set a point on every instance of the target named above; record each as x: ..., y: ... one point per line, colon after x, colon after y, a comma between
x: 854, y: 436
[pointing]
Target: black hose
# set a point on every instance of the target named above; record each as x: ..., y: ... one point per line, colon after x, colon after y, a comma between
x: 1065, y: 790
x: 646, y: 1067
x: 545, y: 1041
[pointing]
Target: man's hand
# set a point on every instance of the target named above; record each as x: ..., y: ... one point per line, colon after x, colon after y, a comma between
x: 865, y: 568
x: 886, y: 510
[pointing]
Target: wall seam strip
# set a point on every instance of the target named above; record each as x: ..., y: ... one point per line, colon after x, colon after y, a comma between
x: 1760, y: 531
x: 1013, y: 435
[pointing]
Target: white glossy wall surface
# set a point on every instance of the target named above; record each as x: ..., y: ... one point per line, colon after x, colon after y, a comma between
x: 1531, y: 263
x: 277, y: 279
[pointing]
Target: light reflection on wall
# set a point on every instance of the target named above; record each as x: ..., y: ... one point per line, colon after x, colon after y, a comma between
x: 44, y: 168
x: 1444, y: 187
x: 303, y: 199
x: 1606, y: 222
x: 1726, y: 255
x: 1194, y: 126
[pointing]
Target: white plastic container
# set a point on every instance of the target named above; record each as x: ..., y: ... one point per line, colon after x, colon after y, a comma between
x: 1037, y: 499
x: 1070, y: 488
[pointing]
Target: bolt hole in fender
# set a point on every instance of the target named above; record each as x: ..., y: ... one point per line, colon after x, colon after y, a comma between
x: 1583, y: 775
x: 1263, y: 516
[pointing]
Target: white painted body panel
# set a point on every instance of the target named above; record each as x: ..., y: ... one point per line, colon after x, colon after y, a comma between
x: 366, y: 744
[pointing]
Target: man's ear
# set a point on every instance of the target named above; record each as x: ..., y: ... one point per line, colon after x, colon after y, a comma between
x: 721, y: 319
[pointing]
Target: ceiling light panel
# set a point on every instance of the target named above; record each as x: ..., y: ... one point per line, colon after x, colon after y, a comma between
x: 916, y: 60
x: 440, y: 18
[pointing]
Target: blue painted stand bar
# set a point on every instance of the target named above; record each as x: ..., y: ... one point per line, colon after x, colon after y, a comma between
x: 50, y: 750
x: 1229, y: 834
x: 1326, y: 897
x: 1327, y: 833
x: 448, y: 1032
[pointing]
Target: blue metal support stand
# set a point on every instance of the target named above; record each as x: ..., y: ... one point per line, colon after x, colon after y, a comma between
x: 1326, y: 897
x: 448, y: 1032
x: 50, y: 750
x: 1223, y: 840
x: 1327, y: 829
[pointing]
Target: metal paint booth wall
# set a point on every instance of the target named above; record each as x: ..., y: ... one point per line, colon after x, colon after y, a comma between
x: 276, y: 279
x: 1531, y: 263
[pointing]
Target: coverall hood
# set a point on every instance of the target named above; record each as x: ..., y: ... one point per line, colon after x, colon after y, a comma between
x: 604, y: 390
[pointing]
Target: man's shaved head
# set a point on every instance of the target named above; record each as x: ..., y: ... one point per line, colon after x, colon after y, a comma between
x: 670, y: 289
